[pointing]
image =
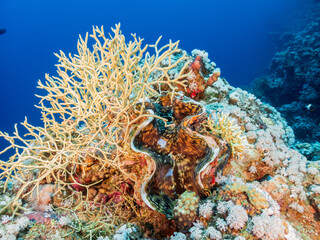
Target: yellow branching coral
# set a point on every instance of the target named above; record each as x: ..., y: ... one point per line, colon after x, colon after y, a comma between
x: 88, y: 113
x: 227, y: 128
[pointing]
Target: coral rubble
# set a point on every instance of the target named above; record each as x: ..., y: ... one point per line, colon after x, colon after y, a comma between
x: 141, y: 146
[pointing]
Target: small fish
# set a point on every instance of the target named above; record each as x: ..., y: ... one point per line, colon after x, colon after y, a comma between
x: 309, y: 106
x: 2, y: 31
x: 312, y: 107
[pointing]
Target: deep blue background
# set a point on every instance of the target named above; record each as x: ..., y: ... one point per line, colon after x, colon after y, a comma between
x: 233, y: 32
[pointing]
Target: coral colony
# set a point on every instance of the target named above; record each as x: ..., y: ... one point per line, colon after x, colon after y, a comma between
x: 294, y: 84
x: 141, y: 146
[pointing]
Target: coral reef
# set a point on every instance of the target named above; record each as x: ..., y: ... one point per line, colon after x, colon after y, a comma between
x: 294, y: 81
x: 141, y: 146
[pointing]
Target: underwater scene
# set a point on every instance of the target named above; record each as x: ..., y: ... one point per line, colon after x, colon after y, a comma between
x: 174, y: 120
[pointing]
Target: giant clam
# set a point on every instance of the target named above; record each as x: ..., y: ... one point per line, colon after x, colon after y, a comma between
x: 180, y: 152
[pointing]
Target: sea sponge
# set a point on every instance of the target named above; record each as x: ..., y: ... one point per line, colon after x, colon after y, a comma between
x: 197, y: 64
x: 185, y: 211
x: 214, y: 77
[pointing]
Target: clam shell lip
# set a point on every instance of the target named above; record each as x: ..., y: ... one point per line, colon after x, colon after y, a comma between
x: 153, y: 134
x: 215, y: 154
x: 215, y: 150
x: 143, y: 186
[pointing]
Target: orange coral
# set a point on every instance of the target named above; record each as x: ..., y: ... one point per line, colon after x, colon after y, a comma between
x: 214, y: 77
x: 197, y: 64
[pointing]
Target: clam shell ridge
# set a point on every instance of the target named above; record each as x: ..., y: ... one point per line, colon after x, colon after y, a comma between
x: 179, y: 152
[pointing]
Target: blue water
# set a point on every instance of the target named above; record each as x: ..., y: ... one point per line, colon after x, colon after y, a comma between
x: 233, y: 32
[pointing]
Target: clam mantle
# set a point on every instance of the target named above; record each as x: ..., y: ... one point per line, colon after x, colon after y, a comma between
x: 182, y: 151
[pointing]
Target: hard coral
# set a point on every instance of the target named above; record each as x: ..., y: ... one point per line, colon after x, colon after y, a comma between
x: 116, y: 134
x: 89, y: 112
x: 185, y: 211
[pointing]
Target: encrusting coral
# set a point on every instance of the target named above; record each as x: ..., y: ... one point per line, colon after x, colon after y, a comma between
x: 141, y: 146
